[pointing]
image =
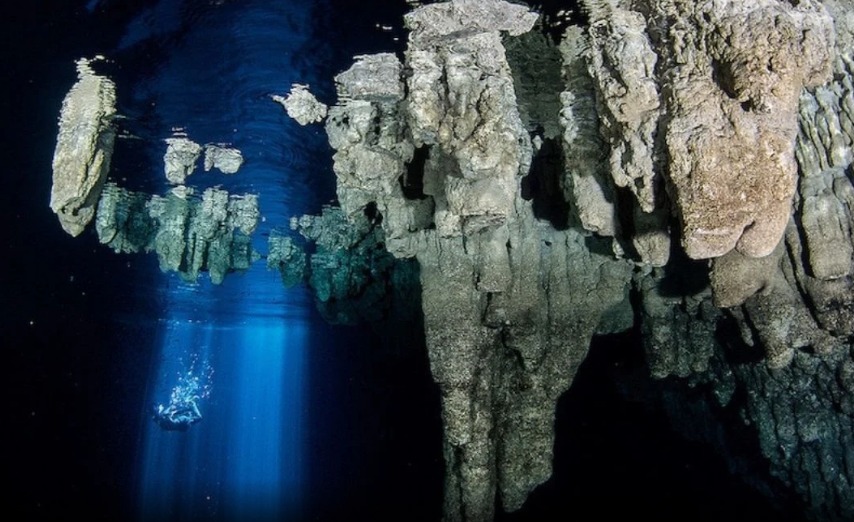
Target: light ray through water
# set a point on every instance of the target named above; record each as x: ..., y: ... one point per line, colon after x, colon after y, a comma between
x: 244, y: 459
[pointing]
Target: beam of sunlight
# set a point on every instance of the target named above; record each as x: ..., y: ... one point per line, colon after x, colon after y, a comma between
x: 243, y: 460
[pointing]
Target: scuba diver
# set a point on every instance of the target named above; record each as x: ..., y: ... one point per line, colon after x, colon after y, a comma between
x: 178, y: 416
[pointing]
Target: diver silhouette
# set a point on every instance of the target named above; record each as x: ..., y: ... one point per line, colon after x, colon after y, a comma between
x: 178, y: 416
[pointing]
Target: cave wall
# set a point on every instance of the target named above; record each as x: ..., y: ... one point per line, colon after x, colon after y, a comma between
x: 695, y: 157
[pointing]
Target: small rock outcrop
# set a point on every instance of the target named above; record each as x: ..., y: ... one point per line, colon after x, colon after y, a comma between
x: 301, y: 105
x: 180, y: 159
x: 227, y: 160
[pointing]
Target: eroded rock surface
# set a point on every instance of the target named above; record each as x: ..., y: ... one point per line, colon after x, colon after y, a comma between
x: 302, y: 106
x: 713, y: 88
x: 227, y: 160
x: 180, y: 159
x: 669, y: 113
x: 577, y: 193
x: 84, y: 147
x: 442, y: 162
x: 189, y: 234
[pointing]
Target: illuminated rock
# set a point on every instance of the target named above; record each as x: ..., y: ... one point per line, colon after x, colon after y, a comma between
x: 301, y: 105
x: 84, y: 148
x: 180, y: 159
x: 225, y: 159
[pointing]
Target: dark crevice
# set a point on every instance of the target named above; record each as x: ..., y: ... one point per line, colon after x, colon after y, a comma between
x: 543, y: 185
x: 373, y: 214
x: 557, y: 15
x: 412, y: 182
x: 736, y: 351
x: 722, y: 76
x: 620, y: 457
x: 683, y: 275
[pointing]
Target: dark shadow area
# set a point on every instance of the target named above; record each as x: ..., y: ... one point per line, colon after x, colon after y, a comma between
x: 412, y: 182
x: 74, y: 412
x: 375, y: 438
x: 616, y: 456
x: 557, y: 15
x: 542, y: 185
x: 683, y: 275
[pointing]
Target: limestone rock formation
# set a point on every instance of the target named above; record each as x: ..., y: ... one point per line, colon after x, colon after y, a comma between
x: 732, y: 73
x: 796, y: 308
x: 667, y: 112
x: 180, y: 159
x: 189, y: 234
x: 301, y: 105
x: 367, y: 132
x: 623, y: 63
x: 461, y: 98
x: 122, y: 220
x: 588, y: 182
x: 502, y: 348
x: 288, y: 258
x: 227, y: 160
x: 350, y: 272
x: 84, y: 147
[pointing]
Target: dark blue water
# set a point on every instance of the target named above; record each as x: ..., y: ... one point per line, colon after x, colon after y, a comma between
x: 301, y: 420
x: 251, y: 458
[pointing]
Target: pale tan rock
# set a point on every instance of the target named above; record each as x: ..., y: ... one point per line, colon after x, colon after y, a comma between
x: 588, y: 183
x: 461, y: 98
x: 302, y: 105
x: 84, y: 148
x: 622, y: 62
x: 180, y: 159
x: 736, y: 277
x: 712, y: 88
x: 227, y: 160
x: 739, y: 68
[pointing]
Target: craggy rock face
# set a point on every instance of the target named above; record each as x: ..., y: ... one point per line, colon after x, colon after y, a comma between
x: 674, y: 108
x: 462, y: 99
x: 703, y: 96
x: 733, y: 122
x: 84, y: 148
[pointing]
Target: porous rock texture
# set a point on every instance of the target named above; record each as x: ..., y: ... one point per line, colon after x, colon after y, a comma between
x: 509, y: 303
x: 189, y: 234
x: 769, y: 338
x: 301, y: 105
x: 180, y: 159
x: 700, y: 99
x: 658, y: 136
x: 227, y: 160
x: 84, y: 147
